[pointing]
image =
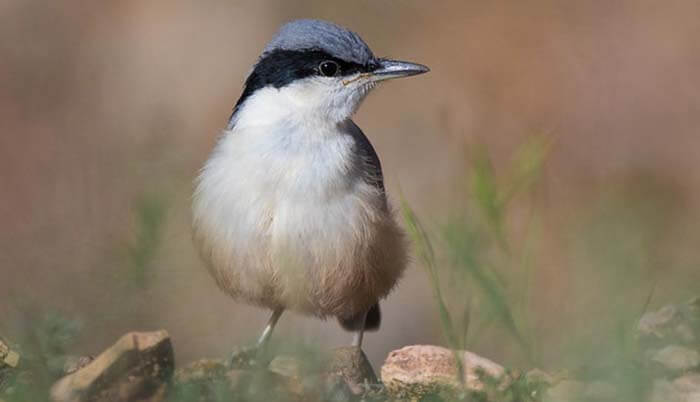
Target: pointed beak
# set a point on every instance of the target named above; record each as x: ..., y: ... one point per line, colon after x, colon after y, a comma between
x: 388, y: 69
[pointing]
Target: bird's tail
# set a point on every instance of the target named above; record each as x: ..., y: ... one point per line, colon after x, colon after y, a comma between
x: 372, y: 322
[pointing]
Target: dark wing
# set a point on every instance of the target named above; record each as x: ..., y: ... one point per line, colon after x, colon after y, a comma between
x: 370, y: 160
x: 372, y: 170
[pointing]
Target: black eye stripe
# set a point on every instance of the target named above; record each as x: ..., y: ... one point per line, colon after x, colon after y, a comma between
x: 279, y: 68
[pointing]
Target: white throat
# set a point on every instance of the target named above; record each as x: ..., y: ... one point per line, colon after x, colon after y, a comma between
x: 312, y: 102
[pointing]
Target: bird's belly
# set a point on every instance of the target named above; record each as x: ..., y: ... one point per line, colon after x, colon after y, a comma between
x: 323, y: 244
x: 318, y: 252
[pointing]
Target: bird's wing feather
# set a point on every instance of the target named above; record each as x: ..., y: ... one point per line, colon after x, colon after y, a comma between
x: 369, y: 157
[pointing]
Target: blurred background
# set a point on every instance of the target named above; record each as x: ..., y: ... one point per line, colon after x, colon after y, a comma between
x: 552, y: 157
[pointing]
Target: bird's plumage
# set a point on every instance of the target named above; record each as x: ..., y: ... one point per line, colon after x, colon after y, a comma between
x: 290, y: 210
x: 298, y: 219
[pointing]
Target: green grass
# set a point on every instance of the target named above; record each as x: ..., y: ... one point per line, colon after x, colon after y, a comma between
x: 141, y: 251
x: 481, y: 256
x: 483, y: 274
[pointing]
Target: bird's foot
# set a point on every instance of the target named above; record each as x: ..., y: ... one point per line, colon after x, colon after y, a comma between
x: 244, y: 357
x: 248, y: 357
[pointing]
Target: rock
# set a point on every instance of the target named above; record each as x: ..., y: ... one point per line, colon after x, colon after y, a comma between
x: 676, y: 358
x: 689, y: 383
x: 9, y: 360
x: 287, y: 366
x: 200, y: 371
x: 352, y: 366
x: 264, y: 385
x: 136, y: 368
x: 346, y: 372
x: 344, y: 376
x: 415, y: 371
x: 655, y: 323
x: 689, y: 387
x: 8, y: 357
x: 678, y: 324
x: 75, y: 363
x: 298, y: 378
x: 682, y: 389
x: 201, y: 381
x: 286, y: 378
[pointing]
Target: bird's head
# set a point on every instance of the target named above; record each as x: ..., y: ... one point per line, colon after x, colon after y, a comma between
x: 315, y: 70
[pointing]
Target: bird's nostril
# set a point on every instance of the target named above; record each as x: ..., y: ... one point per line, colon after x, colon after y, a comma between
x: 372, y: 65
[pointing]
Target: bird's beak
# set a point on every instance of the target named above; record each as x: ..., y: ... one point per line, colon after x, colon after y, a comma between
x: 389, y: 69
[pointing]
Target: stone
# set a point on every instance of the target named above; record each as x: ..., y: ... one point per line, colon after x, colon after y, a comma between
x: 679, y: 324
x: 136, y: 368
x: 201, y: 370
x: 656, y: 322
x: 8, y: 357
x: 75, y: 363
x: 682, y: 389
x: 676, y: 358
x: 292, y: 370
x: 415, y: 371
x: 688, y: 387
x: 200, y: 380
x: 263, y: 384
x: 287, y: 366
x: 352, y: 366
x: 285, y: 378
x: 9, y: 361
x: 344, y: 375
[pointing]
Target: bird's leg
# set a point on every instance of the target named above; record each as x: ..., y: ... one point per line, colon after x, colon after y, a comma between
x: 357, y: 338
x: 253, y: 356
x: 262, y: 341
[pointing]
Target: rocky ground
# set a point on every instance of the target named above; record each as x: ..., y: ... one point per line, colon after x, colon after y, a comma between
x: 141, y: 367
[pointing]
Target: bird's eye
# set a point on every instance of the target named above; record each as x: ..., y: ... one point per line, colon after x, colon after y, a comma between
x: 329, y: 68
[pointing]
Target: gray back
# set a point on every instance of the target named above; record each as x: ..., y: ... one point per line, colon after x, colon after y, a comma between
x: 327, y: 36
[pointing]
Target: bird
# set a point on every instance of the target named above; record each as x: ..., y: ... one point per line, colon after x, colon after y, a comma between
x: 290, y: 211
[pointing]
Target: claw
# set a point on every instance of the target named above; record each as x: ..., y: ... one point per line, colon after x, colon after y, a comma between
x: 244, y: 358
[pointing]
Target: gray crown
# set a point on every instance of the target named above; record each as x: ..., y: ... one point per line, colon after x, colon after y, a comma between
x: 316, y: 34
